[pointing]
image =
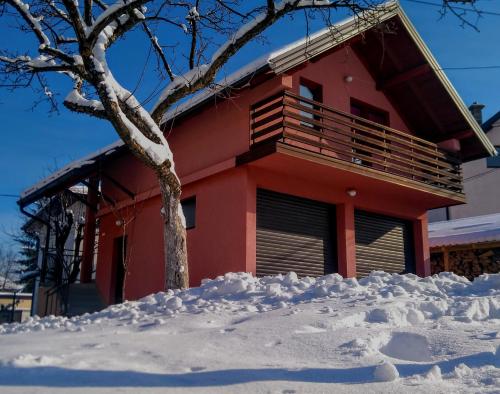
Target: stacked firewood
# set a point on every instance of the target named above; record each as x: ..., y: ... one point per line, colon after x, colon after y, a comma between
x: 437, y: 263
x: 469, y: 263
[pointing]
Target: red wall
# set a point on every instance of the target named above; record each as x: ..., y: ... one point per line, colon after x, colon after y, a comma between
x: 330, y: 71
x: 204, y: 148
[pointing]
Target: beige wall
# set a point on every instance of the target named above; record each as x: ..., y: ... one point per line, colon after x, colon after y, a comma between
x: 481, y: 187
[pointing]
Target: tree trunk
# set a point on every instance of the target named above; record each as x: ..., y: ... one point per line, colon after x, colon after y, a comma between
x: 174, y: 234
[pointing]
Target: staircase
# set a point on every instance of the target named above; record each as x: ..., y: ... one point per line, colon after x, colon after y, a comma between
x: 83, y: 298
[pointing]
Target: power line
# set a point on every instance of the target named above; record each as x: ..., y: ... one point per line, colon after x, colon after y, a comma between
x: 476, y: 11
x: 471, y: 68
x: 10, y: 195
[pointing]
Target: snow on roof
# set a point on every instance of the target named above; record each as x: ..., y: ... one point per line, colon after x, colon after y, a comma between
x: 89, y: 159
x: 9, y: 285
x: 464, y: 231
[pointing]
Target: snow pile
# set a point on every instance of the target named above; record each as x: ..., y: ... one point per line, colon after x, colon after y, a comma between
x: 418, y: 299
x: 237, y: 333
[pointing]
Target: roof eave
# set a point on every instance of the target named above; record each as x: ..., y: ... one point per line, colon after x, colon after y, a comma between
x: 436, y: 68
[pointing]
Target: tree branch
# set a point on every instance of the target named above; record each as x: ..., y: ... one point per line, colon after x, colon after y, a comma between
x: 87, y: 12
x: 159, y: 51
x: 203, y: 75
x: 112, y: 13
x: 75, y: 102
x: 31, y: 21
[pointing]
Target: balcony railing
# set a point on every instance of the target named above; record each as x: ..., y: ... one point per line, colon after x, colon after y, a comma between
x: 312, y: 126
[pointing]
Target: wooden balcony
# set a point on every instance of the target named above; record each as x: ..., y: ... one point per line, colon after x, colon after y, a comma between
x: 360, y: 144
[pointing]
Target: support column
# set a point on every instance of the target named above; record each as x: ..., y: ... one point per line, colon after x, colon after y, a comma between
x: 421, y: 242
x: 89, y: 232
x: 346, y: 242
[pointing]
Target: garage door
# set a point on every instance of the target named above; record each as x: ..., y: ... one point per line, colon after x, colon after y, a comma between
x: 383, y: 243
x: 293, y: 234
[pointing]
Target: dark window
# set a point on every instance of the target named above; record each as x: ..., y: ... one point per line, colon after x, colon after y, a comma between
x: 362, y: 137
x: 311, y: 91
x: 120, y: 261
x: 189, y: 209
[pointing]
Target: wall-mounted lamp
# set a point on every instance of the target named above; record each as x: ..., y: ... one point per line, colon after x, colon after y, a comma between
x: 351, y: 192
x: 119, y: 222
x: 348, y: 78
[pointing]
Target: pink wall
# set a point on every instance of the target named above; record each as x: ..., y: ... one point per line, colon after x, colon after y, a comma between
x: 329, y: 71
x: 143, y: 228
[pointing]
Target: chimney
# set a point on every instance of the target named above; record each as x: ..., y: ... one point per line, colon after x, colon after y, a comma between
x: 476, y: 110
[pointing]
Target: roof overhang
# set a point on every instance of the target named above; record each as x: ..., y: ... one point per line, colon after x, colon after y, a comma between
x: 71, y: 174
x: 465, y: 231
x: 460, y: 124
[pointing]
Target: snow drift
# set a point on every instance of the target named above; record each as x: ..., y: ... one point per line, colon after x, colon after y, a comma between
x: 419, y: 299
x: 238, y: 333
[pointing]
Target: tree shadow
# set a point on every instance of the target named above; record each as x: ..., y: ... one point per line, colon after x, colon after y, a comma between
x: 64, y: 377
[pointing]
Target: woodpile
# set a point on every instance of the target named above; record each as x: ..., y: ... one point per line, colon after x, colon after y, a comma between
x: 467, y: 262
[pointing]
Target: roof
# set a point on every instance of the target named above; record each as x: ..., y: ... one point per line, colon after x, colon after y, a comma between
x: 488, y: 125
x: 465, y: 231
x: 279, y: 61
x: 65, y: 177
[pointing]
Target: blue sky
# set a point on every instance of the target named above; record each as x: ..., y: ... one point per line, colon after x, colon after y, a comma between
x: 34, y: 142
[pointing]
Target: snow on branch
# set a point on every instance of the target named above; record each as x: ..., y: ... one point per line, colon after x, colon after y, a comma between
x: 112, y: 13
x: 41, y: 63
x: 200, y: 76
x: 33, y: 22
x: 76, y: 102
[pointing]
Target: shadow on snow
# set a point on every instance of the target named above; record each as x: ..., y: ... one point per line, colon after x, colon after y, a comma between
x: 64, y: 377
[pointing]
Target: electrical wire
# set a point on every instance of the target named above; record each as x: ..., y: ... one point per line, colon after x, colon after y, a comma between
x: 480, y: 12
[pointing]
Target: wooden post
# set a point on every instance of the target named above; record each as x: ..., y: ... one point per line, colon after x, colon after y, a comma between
x: 446, y: 259
x: 89, y: 232
x: 346, y: 240
x: 421, y: 243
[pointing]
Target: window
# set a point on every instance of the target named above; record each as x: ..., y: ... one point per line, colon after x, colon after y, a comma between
x: 189, y: 209
x: 311, y: 91
x: 372, y: 114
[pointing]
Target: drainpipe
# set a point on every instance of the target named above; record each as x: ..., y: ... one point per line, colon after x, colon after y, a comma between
x: 87, y: 263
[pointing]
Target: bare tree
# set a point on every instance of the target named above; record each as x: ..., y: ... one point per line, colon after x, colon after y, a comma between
x: 73, y: 39
x: 8, y: 269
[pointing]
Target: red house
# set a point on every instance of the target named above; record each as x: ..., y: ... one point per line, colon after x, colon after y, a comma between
x: 325, y: 160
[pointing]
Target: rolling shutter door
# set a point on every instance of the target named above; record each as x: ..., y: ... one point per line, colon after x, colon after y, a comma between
x: 293, y: 234
x: 383, y: 243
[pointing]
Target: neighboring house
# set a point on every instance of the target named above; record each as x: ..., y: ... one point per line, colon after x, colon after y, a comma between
x: 14, y: 307
x: 468, y: 246
x: 58, y: 225
x: 327, y: 160
x: 481, y: 178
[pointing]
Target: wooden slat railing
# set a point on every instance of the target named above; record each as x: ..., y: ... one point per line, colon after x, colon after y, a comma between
x: 312, y: 126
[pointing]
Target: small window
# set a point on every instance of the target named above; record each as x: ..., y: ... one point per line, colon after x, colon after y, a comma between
x: 189, y: 209
x: 311, y: 91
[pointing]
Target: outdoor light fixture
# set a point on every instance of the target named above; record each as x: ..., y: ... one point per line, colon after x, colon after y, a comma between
x: 351, y: 192
x: 119, y: 222
x: 348, y: 78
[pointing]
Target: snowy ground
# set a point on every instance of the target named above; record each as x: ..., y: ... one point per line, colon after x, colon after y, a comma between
x: 387, y: 333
